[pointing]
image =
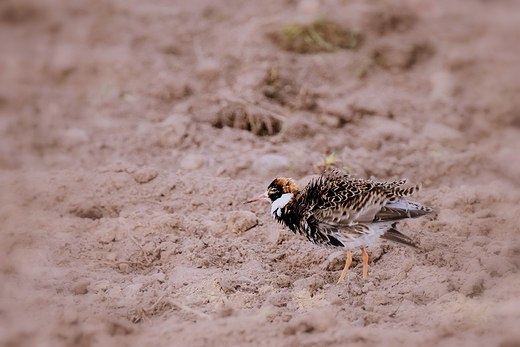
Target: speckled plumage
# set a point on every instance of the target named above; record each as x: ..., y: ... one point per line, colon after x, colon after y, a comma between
x: 337, y: 210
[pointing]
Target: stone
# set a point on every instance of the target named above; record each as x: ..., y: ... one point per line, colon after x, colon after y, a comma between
x: 74, y: 137
x: 80, y: 288
x: 401, y: 55
x: 271, y: 165
x: 335, y: 261
x: 144, y: 174
x: 240, y: 221
x: 132, y: 289
x: 64, y: 61
x: 192, y: 162
x: 360, y: 322
x: 124, y: 268
x: 100, y: 286
x: 106, y: 235
x: 273, y: 237
x: 316, y: 321
x: 208, y: 69
x: 309, y: 284
x: 330, y: 121
x: 115, y: 292
x: 443, y: 134
x: 173, y: 130
x: 279, y: 299
x: 88, y: 210
x: 159, y: 277
x: 442, y: 86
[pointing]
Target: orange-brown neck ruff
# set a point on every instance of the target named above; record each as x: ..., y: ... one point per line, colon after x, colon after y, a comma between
x: 286, y: 185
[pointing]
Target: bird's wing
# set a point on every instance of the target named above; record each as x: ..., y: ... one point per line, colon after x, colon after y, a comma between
x: 336, y: 235
x: 401, y: 209
x: 345, y: 215
x: 354, y: 212
x: 359, y: 235
x: 343, y: 200
x: 349, y: 202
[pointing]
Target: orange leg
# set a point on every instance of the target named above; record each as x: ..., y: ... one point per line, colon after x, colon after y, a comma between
x: 365, y: 263
x: 347, y: 265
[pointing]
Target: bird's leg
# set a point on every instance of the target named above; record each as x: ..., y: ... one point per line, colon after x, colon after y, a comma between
x: 347, y: 265
x: 365, y: 263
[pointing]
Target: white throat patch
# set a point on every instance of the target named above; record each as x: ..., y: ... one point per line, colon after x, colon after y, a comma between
x: 278, y: 204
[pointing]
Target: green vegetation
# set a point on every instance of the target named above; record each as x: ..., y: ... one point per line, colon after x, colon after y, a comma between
x: 319, y: 36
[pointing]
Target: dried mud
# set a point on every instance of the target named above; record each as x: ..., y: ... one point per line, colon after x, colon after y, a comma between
x: 132, y: 134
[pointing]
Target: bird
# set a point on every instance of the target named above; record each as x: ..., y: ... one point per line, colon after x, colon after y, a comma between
x: 338, y: 210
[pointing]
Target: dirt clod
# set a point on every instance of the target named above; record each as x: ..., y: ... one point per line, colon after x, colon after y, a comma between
x: 239, y: 116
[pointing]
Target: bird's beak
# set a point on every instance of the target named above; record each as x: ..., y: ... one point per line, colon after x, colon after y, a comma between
x: 259, y: 197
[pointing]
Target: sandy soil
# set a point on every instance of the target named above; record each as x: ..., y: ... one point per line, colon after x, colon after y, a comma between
x: 132, y: 133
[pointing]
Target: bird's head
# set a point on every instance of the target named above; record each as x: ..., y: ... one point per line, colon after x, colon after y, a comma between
x: 278, y: 188
x: 279, y: 193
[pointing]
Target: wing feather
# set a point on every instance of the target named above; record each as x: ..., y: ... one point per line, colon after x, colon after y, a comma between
x: 339, y: 199
x: 341, y: 210
x: 401, y: 209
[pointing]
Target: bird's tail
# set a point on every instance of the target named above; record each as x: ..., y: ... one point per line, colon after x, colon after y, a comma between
x: 392, y: 234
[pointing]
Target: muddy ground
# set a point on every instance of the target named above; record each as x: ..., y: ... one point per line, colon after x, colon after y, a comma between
x: 132, y: 133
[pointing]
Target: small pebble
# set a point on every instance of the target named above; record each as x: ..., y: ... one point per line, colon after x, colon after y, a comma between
x: 240, y: 221
x: 270, y: 165
x: 159, y: 277
x: 367, y: 287
x: 80, y: 288
x: 115, y: 292
x: 144, y: 175
x: 124, y: 268
x: 106, y: 235
x: 192, y: 162
x: 74, y: 137
x: 132, y: 289
x: 440, y: 133
x: 99, y: 286
x: 360, y: 322
x: 442, y: 86
x: 173, y: 130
